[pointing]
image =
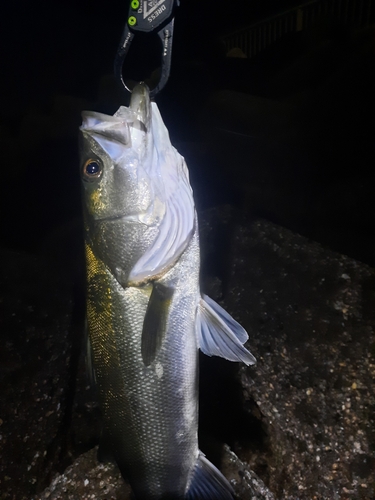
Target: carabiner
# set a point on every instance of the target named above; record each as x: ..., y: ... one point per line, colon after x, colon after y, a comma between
x: 151, y: 16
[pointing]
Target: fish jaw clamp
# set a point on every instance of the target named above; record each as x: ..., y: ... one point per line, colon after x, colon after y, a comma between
x: 148, y: 16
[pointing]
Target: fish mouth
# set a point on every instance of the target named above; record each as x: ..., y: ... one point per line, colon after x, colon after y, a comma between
x: 110, y: 127
x: 140, y: 104
x: 116, y: 127
x: 139, y: 110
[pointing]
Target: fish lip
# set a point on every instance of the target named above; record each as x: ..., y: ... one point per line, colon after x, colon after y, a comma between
x: 101, y: 116
x: 140, y: 104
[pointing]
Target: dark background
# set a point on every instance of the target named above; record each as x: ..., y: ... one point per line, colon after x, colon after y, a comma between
x: 291, y: 139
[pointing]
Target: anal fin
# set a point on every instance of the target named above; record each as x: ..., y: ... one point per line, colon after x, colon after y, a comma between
x: 219, y: 334
x: 208, y: 483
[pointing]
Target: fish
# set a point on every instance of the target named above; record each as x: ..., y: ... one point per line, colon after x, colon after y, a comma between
x: 146, y: 315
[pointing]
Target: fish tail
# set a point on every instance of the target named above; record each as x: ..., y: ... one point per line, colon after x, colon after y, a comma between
x: 208, y: 483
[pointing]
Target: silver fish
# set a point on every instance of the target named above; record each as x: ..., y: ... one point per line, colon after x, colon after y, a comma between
x: 146, y: 315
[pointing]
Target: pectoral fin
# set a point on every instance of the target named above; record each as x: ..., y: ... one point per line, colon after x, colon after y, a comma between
x: 219, y: 334
x: 155, y: 322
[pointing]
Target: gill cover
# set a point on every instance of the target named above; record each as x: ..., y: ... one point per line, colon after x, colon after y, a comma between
x: 171, y: 185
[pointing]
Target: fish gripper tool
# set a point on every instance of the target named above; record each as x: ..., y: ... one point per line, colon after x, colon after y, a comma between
x: 148, y: 17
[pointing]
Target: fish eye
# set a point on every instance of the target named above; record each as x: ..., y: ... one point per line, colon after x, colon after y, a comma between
x: 91, y: 170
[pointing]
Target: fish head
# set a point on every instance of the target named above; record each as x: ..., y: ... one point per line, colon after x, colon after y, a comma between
x: 115, y: 152
x: 138, y: 203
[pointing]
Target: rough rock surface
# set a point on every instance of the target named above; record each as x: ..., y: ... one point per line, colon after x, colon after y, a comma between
x: 87, y: 479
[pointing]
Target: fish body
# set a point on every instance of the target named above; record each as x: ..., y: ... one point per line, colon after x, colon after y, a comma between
x: 145, y: 312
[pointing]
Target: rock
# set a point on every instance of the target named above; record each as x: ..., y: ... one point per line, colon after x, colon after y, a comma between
x: 36, y: 369
x: 247, y: 485
x: 310, y: 315
x: 87, y: 479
